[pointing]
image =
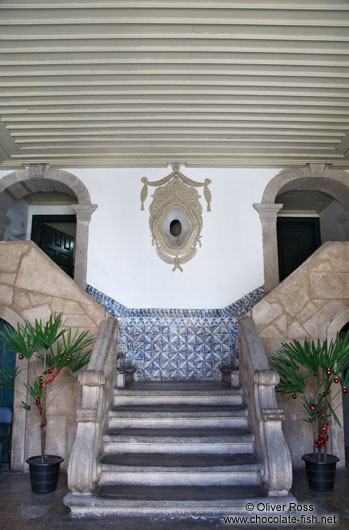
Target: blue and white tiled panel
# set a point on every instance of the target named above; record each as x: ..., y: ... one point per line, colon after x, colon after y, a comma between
x: 178, y: 344
x: 178, y: 348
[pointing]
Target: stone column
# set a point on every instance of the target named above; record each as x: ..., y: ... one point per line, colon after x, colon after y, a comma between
x: 268, y: 215
x: 4, y: 221
x: 83, y: 218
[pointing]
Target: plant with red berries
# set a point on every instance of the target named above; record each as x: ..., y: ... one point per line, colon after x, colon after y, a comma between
x: 315, y: 370
x: 56, y: 348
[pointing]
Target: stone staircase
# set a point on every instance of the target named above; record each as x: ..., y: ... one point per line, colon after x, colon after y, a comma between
x: 176, y: 448
x: 190, y: 448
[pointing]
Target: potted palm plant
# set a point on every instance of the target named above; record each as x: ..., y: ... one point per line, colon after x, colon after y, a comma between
x: 318, y: 371
x: 50, y: 348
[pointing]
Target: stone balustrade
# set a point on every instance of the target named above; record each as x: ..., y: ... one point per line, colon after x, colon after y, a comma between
x: 97, y: 393
x: 265, y: 418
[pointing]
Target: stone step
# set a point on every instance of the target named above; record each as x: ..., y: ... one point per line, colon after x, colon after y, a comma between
x: 179, y: 469
x: 175, y: 501
x: 219, y: 441
x: 172, y: 393
x: 178, y: 416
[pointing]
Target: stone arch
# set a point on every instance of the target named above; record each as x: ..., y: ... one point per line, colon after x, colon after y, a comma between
x: 311, y: 177
x: 19, y: 413
x: 337, y: 323
x: 338, y: 441
x: 40, y: 177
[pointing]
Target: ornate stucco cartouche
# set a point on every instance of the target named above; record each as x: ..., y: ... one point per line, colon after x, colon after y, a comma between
x: 176, y: 201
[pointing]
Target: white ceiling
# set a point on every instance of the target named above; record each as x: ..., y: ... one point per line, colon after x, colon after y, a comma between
x: 148, y: 82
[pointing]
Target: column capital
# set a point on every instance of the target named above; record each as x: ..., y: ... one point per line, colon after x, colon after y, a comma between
x: 84, y: 211
x: 267, y: 212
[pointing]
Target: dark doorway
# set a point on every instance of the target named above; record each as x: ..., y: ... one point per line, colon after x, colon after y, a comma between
x: 298, y: 238
x: 49, y: 232
x: 7, y: 363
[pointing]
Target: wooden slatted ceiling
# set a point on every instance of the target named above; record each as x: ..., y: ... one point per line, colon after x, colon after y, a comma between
x: 144, y: 83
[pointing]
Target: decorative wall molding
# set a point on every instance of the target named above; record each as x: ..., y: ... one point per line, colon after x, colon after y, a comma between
x: 178, y: 343
x: 176, y: 201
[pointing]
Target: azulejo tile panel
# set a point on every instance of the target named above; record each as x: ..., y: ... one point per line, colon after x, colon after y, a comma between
x: 177, y: 344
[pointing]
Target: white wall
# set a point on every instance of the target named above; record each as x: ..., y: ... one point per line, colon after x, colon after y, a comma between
x: 331, y: 228
x: 124, y: 264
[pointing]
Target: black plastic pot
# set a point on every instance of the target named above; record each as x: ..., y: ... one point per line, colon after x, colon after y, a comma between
x: 44, y: 476
x: 320, y: 474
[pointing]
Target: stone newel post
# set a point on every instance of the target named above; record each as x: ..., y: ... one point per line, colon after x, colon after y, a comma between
x: 83, y: 218
x: 268, y: 215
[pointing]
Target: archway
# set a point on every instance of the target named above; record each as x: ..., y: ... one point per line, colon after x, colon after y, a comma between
x: 40, y: 177
x: 311, y: 177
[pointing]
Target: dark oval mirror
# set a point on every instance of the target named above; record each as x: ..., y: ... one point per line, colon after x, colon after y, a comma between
x: 175, y: 228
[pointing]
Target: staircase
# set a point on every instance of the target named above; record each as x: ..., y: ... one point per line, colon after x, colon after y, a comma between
x: 177, y: 448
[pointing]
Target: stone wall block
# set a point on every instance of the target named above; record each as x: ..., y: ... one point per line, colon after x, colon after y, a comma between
x: 271, y: 345
x: 307, y: 312
x: 63, y: 386
x: 338, y: 254
x: 21, y: 300
x: 281, y: 324
x: 7, y: 278
x: 6, y: 294
x: 41, y: 312
x: 317, y: 325
x: 270, y: 332
x: 296, y: 331
x: 293, y: 293
x: 78, y: 321
x: 72, y: 307
x: 95, y: 312
x: 333, y: 307
x: 57, y: 305
x: 10, y: 254
x: 56, y: 438
x: 39, y: 299
x: 40, y: 274
x: 264, y: 313
x: 329, y: 286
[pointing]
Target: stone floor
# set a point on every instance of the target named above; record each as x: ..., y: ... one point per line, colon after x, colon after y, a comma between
x: 20, y: 509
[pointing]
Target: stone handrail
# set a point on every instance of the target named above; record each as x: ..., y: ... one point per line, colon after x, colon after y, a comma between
x: 258, y: 383
x: 97, y: 383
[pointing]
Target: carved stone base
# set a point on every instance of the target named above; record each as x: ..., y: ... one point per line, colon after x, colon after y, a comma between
x: 230, y: 377
x: 124, y: 377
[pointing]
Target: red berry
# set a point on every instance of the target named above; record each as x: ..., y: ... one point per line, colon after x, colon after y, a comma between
x: 345, y: 390
x: 336, y: 380
x: 20, y: 357
x: 313, y: 407
x: 329, y: 371
x: 68, y: 359
x: 294, y: 396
